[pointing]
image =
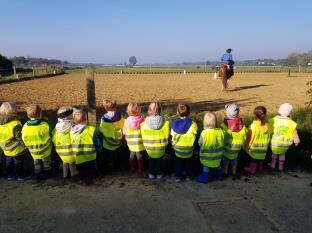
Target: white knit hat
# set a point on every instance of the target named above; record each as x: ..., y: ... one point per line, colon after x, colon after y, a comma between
x: 285, y: 109
x: 232, y: 110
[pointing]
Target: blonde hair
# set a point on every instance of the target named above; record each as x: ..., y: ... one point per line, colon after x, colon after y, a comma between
x: 133, y: 109
x: 8, y: 109
x: 34, y: 111
x: 80, y: 116
x: 110, y: 105
x: 210, y: 120
x: 154, y: 109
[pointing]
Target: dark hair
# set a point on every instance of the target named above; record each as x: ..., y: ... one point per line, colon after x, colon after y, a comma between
x: 260, y: 114
x: 183, y: 110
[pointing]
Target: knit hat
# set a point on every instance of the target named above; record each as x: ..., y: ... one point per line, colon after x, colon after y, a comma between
x: 232, y: 110
x: 285, y: 109
x: 64, y: 112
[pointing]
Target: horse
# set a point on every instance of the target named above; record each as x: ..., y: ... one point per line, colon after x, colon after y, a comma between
x: 225, y: 74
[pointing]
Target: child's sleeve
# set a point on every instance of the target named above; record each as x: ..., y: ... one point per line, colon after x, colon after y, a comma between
x: 17, y: 131
x: 296, y: 138
x: 200, y: 140
x: 97, y: 142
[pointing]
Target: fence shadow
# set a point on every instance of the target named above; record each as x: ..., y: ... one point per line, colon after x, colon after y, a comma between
x: 250, y: 87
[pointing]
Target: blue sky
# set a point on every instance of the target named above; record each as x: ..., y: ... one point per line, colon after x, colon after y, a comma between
x: 103, y: 31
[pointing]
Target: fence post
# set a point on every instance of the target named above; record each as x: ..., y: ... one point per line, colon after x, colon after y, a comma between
x: 91, y: 95
x: 288, y: 72
x: 14, y: 72
x: 33, y: 72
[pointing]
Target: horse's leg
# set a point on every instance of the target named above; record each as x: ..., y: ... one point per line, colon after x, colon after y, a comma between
x: 223, y: 81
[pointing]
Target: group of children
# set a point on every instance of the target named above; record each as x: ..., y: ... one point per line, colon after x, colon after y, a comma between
x: 78, y: 144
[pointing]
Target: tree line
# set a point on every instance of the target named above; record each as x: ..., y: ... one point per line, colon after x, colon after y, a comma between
x: 35, y: 61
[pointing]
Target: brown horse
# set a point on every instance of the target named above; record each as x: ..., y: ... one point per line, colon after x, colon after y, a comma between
x: 223, y: 70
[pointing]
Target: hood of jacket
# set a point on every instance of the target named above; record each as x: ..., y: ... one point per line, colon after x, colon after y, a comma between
x: 235, y: 124
x: 134, y: 121
x: 111, y: 116
x: 6, y: 119
x: 181, y: 125
x: 63, y: 126
x: 77, y: 129
x: 155, y: 122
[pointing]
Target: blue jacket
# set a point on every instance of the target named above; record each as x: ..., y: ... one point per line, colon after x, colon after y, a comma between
x: 227, y: 57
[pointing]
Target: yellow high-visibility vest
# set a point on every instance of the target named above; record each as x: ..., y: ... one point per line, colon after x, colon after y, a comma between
x: 233, y: 141
x: 134, y: 139
x: 10, y: 145
x: 112, y: 134
x: 82, y: 144
x: 259, y: 146
x: 155, y: 141
x: 283, y: 134
x: 211, y: 149
x: 183, y: 144
x: 63, y: 146
x: 37, y: 139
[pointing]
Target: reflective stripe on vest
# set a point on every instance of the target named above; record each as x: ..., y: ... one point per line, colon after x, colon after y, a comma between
x: 155, y: 140
x: 112, y: 134
x: 134, y: 139
x: 233, y: 141
x: 82, y: 144
x: 259, y: 146
x: 212, y: 147
x: 183, y: 143
x: 10, y: 145
x: 37, y: 139
x: 283, y: 130
x: 63, y: 147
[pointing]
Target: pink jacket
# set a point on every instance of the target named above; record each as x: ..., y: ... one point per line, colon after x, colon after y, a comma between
x: 133, y: 122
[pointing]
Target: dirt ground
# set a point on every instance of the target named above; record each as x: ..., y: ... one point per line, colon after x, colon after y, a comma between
x: 200, y: 90
x: 270, y: 202
x: 122, y: 203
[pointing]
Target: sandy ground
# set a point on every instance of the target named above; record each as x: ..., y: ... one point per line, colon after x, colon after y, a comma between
x: 200, y: 90
x: 120, y: 203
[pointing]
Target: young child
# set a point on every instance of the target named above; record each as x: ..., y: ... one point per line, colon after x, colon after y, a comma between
x: 62, y: 142
x: 132, y: 132
x: 183, y: 134
x: 211, y: 143
x: 85, y: 144
x: 258, y: 139
x: 284, y: 135
x: 234, y: 137
x: 155, y: 134
x: 11, y: 141
x: 111, y: 129
x: 36, y: 136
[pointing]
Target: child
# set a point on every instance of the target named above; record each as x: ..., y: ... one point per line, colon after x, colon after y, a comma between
x: 132, y: 132
x: 111, y: 128
x: 11, y: 141
x: 36, y: 136
x: 155, y: 135
x: 183, y: 133
x: 85, y: 144
x: 284, y: 135
x: 257, y: 142
x: 61, y: 140
x: 234, y: 137
x: 211, y: 143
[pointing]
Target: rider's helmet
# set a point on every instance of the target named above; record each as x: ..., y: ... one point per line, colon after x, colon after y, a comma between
x: 229, y: 50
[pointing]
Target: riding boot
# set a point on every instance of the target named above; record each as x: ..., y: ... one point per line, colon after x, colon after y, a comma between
x: 140, y: 166
x: 219, y: 175
x: 252, y: 168
x: 132, y: 165
x: 203, y: 178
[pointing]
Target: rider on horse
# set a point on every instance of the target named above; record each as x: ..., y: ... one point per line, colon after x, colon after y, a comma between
x: 227, y: 57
